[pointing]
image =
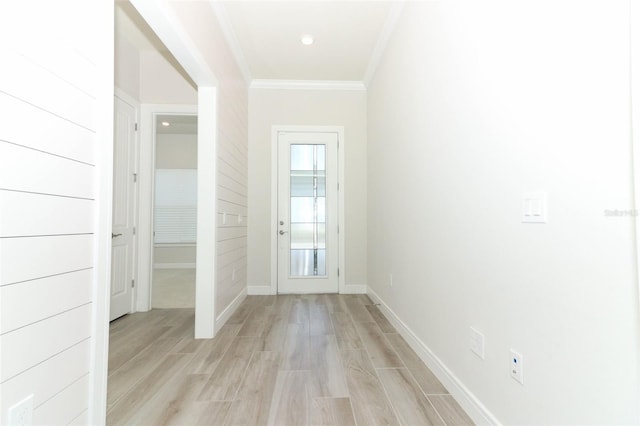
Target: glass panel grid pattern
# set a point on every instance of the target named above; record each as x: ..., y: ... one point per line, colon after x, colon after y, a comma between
x: 307, y: 210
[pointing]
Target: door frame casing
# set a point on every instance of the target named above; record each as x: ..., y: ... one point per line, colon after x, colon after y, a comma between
x: 128, y: 99
x: 146, y: 194
x: 339, y: 130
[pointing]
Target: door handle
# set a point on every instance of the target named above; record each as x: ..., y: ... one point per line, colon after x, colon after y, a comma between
x: 282, y: 232
x: 115, y: 235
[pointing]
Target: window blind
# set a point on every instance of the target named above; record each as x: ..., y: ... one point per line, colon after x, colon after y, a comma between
x: 175, y: 206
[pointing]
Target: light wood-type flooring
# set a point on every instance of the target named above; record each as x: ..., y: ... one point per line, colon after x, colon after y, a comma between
x: 279, y: 360
x: 174, y: 288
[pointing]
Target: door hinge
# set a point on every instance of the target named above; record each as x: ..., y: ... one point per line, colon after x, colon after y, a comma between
x: 135, y: 178
x: 134, y: 230
x: 135, y: 127
x: 133, y: 283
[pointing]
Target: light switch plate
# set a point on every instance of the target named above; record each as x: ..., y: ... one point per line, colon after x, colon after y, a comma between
x: 534, y: 207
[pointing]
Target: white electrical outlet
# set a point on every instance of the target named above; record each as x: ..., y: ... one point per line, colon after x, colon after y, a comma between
x: 516, y: 367
x: 390, y: 280
x: 476, y: 342
x: 21, y: 413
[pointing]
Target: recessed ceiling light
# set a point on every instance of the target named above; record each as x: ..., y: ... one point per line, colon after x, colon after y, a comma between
x: 307, y: 39
x: 166, y: 124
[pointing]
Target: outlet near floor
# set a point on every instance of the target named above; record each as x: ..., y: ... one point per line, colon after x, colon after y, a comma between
x: 21, y: 413
x: 476, y: 342
x: 516, y: 367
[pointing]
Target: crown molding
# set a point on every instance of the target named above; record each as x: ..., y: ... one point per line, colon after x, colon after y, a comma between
x: 383, y: 39
x: 307, y: 85
x: 232, y: 40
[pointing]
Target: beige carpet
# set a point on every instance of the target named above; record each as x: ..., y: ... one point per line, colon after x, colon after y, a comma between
x: 173, y: 288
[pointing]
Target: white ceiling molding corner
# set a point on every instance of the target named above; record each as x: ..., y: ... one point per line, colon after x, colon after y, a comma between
x: 231, y: 38
x: 383, y: 39
x: 308, y: 85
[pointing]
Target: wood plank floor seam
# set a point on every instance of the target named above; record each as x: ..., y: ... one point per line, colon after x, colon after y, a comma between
x: 280, y: 360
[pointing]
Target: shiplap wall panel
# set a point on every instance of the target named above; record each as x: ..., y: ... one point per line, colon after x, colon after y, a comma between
x: 60, y: 97
x: 232, y: 244
x: 51, y: 134
x: 225, y: 273
x: 225, y: 206
x: 231, y: 183
x: 48, y: 145
x: 231, y: 193
x: 229, y: 257
x: 232, y: 153
x: 225, y: 233
x: 30, y: 258
x: 43, y: 339
x: 27, y: 214
x: 235, y: 164
x: 227, y: 170
x: 230, y: 219
x: 42, y: 298
x: 232, y: 196
x: 45, y: 379
x: 81, y: 420
x: 64, y: 63
x: 64, y: 405
x: 55, y: 175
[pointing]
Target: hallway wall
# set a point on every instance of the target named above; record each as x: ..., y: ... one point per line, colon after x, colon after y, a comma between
x: 231, y: 153
x: 268, y: 107
x: 56, y: 147
x: 473, y: 105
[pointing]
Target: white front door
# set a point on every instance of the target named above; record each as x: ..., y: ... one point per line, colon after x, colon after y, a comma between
x: 307, y: 212
x: 122, y: 233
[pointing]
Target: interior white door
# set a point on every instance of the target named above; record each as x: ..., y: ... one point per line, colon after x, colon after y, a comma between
x: 122, y: 234
x: 307, y: 212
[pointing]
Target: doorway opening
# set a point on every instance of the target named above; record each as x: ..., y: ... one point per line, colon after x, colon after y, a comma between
x: 175, y: 211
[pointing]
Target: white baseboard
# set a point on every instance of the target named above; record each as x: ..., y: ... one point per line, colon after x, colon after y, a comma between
x: 259, y: 290
x: 229, y: 310
x: 355, y: 289
x: 469, y: 402
x: 174, y: 266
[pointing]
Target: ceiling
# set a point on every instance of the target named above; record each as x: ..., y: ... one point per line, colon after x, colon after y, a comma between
x: 265, y: 36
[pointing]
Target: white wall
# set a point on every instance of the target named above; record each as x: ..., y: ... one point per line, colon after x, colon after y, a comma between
x: 163, y: 81
x: 474, y: 104
x: 268, y: 107
x: 176, y: 151
x: 127, y: 67
x: 56, y: 142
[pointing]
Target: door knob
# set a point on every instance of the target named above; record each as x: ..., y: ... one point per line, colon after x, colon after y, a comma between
x: 115, y: 235
x: 282, y: 232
